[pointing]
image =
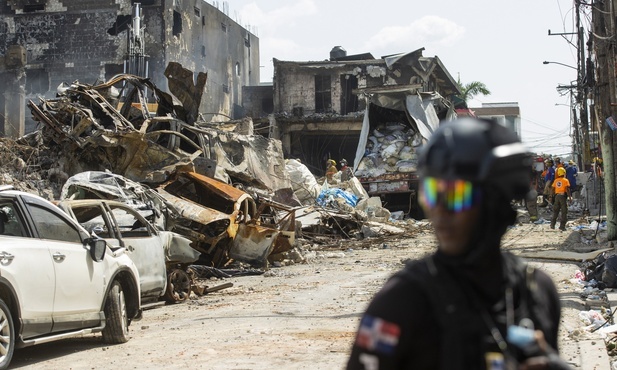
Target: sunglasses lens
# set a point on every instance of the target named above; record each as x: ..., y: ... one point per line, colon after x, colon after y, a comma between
x: 454, y: 195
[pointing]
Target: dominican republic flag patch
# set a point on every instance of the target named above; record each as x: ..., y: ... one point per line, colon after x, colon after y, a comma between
x: 377, y: 335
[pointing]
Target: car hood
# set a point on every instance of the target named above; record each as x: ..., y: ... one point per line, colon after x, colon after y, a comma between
x: 193, y: 211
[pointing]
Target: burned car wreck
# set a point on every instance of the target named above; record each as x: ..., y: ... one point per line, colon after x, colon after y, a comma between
x: 161, y: 157
x: 223, y: 223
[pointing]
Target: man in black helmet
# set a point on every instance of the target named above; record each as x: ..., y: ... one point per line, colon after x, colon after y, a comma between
x: 469, y: 305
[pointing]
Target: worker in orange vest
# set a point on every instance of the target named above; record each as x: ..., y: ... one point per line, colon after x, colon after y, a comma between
x: 560, y: 192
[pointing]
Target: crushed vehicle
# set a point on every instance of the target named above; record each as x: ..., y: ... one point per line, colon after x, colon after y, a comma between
x: 238, y: 234
x: 223, y: 222
x: 157, y: 254
x: 84, y: 119
x: 112, y: 127
x: 57, y: 280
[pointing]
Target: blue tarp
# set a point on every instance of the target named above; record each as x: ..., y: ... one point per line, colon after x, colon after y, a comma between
x: 328, y: 196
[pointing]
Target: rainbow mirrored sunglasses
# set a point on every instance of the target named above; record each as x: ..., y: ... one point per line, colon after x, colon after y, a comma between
x: 453, y: 195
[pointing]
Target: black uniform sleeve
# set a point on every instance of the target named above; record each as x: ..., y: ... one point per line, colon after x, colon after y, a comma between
x: 397, y: 330
x: 548, y: 299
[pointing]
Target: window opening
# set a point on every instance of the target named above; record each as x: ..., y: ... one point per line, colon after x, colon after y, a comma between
x: 177, y: 27
x: 323, y: 94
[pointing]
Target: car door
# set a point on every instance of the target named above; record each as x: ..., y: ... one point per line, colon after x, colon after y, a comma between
x: 144, y: 246
x: 123, y: 227
x: 26, y: 263
x: 80, y: 282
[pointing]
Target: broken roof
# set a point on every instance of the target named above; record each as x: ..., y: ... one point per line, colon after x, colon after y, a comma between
x: 422, y: 65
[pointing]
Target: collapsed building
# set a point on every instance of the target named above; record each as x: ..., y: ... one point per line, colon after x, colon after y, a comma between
x: 318, y: 110
x: 190, y: 164
x: 371, y: 111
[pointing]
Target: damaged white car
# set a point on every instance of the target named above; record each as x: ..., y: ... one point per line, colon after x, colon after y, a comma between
x: 157, y: 254
x: 56, y: 281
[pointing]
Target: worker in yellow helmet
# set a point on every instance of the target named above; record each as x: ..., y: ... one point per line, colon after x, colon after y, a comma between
x: 330, y: 169
x: 560, y: 192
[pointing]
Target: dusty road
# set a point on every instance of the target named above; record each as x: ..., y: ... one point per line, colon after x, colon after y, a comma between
x: 294, y: 317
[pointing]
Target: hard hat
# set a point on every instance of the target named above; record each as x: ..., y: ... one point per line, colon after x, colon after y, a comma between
x: 343, y: 161
x: 570, y: 162
x: 479, y: 151
x: 561, y: 171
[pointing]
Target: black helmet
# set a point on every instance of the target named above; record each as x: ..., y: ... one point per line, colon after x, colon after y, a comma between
x: 480, y: 151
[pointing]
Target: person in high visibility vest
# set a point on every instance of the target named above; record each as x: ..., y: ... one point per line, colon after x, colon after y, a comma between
x: 560, y: 191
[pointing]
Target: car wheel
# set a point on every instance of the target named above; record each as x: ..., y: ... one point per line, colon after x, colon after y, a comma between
x: 7, y: 336
x: 178, y: 286
x: 116, y: 320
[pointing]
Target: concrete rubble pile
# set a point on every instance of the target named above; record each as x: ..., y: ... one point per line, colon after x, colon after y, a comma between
x: 337, y: 209
x: 105, y: 141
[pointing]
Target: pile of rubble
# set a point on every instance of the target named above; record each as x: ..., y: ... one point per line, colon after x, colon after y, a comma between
x: 108, y: 132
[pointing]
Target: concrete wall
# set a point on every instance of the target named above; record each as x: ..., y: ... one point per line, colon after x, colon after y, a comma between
x: 212, y: 42
x: 294, y: 83
x: 257, y: 101
x: 86, y: 40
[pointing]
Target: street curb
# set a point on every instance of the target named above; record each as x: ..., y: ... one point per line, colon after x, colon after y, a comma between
x: 593, y: 355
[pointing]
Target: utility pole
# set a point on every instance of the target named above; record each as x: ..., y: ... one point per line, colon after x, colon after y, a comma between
x: 603, y: 24
x: 582, y: 89
x: 577, y: 147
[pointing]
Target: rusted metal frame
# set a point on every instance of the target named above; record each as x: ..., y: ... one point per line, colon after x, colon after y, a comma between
x: 51, y: 122
x: 137, y: 90
x: 290, y: 217
x: 96, y: 98
x: 77, y: 110
x: 154, y: 133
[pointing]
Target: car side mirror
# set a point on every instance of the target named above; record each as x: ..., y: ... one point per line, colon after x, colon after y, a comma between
x: 97, y: 249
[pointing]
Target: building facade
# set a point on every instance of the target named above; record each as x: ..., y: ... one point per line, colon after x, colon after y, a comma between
x: 507, y: 114
x: 92, y: 40
x: 319, y: 107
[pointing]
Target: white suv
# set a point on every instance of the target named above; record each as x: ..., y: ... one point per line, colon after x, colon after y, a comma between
x: 56, y: 281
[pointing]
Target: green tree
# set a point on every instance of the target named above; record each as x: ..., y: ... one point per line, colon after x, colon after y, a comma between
x: 470, y: 90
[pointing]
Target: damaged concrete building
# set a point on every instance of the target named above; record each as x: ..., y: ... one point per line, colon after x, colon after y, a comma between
x: 319, y: 106
x: 49, y: 42
x: 346, y: 106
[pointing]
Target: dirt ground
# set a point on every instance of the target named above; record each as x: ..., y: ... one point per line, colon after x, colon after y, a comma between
x: 301, y: 316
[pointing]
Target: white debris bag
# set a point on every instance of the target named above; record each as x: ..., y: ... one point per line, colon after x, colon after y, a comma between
x: 303, y: 183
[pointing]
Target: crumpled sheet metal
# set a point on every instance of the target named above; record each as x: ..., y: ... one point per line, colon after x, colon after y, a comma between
x: 253, y: 159
x: 253, y: 244
x: 127, y: 150
x: 218, y: 188
x: 180, y: 83
x: 137, y: 158
x: 178, y: 248
x: 205, y: 226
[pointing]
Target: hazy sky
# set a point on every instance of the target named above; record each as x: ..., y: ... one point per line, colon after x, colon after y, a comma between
x: 500, y: 43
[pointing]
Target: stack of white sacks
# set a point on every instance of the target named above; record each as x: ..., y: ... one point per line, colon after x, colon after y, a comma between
x: 391, y: 148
